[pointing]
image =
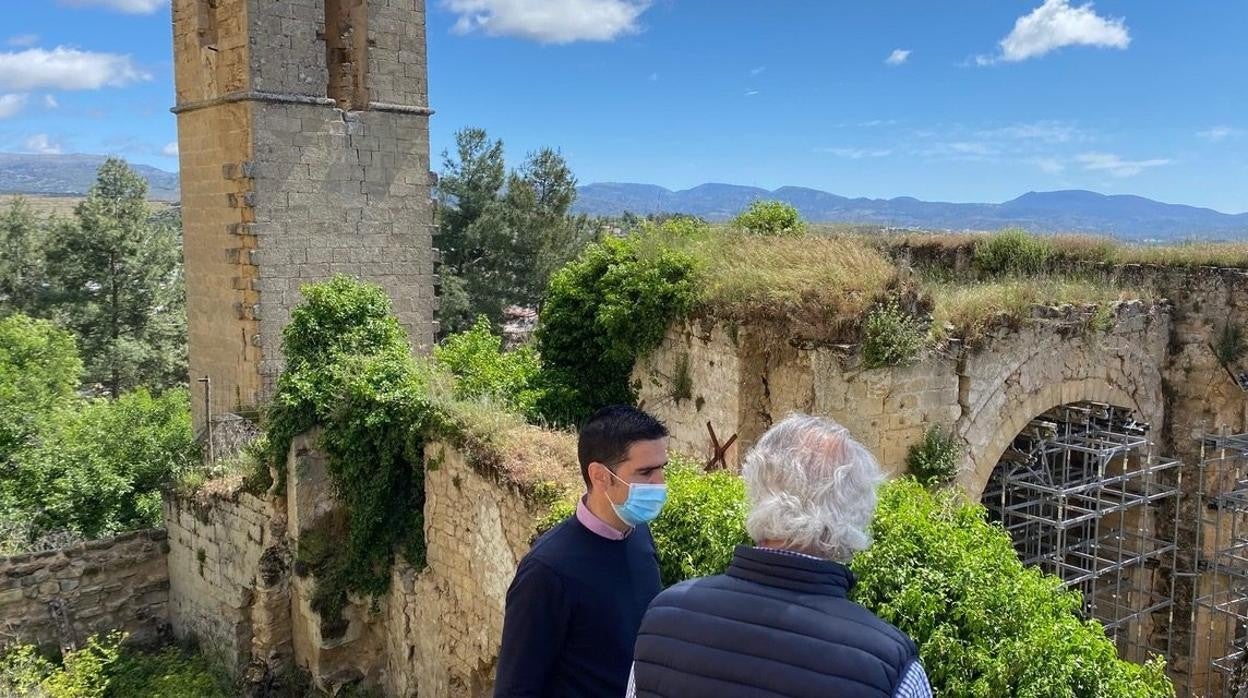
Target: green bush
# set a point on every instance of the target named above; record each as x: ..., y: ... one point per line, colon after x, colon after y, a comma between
x: 97, y: 467
x: 891, y: 336
x: 484, y: 370
x: 602, y: 311
x: 772, y: 218
x: 39, y: 373
x: 701, y: 524
x: 1012, y: 251
x: 106, y: 669
x: 985, y: 624
x: 82, y: 673
x: 349, y: 370
x: 934, y: 459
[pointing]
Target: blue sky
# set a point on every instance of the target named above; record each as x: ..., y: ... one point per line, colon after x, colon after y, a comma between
x: 959, y: 100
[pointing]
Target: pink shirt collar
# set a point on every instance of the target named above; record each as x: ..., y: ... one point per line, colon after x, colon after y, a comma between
x: 596, y: 525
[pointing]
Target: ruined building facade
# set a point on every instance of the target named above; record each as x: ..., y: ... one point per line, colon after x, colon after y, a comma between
x: 303, y: 129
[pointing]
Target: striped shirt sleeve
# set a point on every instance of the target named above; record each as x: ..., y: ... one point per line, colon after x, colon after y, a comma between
x: 914, y: 683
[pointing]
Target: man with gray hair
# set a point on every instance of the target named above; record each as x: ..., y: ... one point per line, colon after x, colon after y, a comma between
x: 779, y: 622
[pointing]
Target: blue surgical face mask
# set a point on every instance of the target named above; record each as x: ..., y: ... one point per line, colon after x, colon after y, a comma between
x: 644, y: 502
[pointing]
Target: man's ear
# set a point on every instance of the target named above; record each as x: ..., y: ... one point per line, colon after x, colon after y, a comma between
x: 599, y: 476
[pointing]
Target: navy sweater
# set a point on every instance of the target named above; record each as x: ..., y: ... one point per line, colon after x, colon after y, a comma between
x: 573, y: 611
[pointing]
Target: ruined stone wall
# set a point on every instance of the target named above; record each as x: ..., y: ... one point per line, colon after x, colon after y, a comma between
x: 227, y: 576
x: 985, y: 394
x: 445, y: 623
x: 693, y: 378
x: 60, y: 598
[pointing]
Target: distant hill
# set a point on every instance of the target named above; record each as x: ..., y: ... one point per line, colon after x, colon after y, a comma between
x: 1132, y: 217
x: 72, y: 175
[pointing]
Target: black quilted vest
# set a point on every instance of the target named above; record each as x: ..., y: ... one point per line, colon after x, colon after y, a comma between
x: 774, y: 624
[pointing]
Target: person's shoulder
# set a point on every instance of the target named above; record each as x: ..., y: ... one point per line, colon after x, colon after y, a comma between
x: 864, y: 616
x: 552, y: 546
x: 682, y: 592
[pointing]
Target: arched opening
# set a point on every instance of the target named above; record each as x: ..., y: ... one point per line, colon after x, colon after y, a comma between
x: 1084, y: 497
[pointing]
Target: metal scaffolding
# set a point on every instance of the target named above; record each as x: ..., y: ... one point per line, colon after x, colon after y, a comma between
x: 1084, y: 496
x: 1220, y: 623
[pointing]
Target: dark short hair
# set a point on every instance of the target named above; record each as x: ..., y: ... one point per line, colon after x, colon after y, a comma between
x: 606, y: 437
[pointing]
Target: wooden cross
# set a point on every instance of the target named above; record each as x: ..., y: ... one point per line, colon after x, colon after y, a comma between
x: 718, y: 452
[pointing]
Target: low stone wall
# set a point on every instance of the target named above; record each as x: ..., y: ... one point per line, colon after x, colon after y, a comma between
x: 62, y: 597
x: 226, y: 561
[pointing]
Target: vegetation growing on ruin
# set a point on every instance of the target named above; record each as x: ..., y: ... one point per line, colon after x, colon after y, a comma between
x: 349, y: 370
x: 933, y: 460
x: 891, y: 336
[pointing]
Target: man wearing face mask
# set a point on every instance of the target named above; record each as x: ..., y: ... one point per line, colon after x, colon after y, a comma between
x: 576, y: 603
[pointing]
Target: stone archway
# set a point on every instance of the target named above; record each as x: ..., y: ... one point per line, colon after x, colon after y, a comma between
x: 992, y: 433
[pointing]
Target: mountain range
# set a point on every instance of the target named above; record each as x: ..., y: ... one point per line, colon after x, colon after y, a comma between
x: 1076, y: 211
x: 72, y: 175
x: 1125, y: 216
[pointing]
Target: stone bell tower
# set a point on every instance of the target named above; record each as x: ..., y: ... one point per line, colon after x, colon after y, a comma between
x: 303, y: 132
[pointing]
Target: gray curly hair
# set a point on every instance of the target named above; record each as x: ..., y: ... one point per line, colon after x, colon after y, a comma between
x: 811, y: 486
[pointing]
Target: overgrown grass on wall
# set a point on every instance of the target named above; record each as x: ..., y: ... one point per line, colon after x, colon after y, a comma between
x: 985, y: 625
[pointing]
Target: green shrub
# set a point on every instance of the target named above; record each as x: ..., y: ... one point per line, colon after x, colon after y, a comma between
x: 602, y: 311
x: 39, y: 372
x: 82, y: 673
x: 771, y: 218
x: 985, y: 624
x: 1012, y: 251
x: 934, y: 459
x: 349, y: 370
x: 106, y: 669
x: 97, y: 466
x: 701, y: 524
x: 891, y: 336
x: 484, y: 370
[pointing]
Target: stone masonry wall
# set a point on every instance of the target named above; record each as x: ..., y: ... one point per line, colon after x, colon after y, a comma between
x: 227, y: 566
x: 985, y: 394
x: 445, y: 624
x: 60, y: 598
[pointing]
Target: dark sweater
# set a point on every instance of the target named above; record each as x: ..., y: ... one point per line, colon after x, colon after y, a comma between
x: 573, y: 611
x: 774, y: 625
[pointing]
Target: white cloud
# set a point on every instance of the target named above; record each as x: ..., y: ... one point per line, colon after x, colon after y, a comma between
x: 755, y: 72
x: 1219, y: 133
x: 11, y: 104
x: 23, y: 40
x: 898, y: 56
x: 1116, y: 166
x: 50, y: 102
x: 66, y: 69
x: 751, y: 93
x: 877, y: 122
x: 1049, y: 165
x: 170, y: 149
x: 134, y: 7
x: 41, y: 144
x: 1047, y: 131
x: 1057, y: 24
x: 856, y: 153
x: 549, y: 21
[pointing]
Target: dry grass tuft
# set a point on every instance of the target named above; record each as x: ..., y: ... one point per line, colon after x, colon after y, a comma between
x: 969, y: 308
